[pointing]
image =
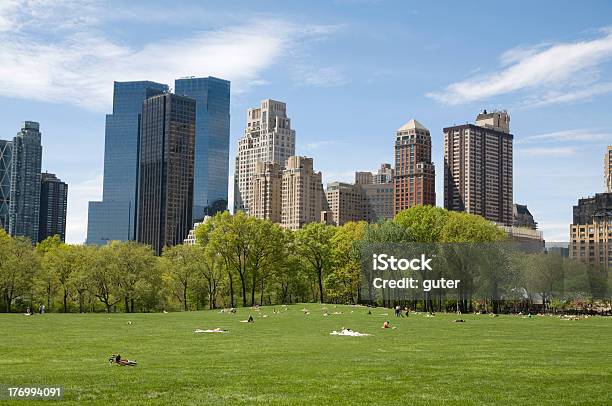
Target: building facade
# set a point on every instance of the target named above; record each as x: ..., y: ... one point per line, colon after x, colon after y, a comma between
x: 53, y: 207
x: 591, y: 231
x: 345, y: 202
x: 608, y: 169
x: 267, y: 188
x: 478, y: 168
x: 267, y: 137
x: 6, y: 152
x: 414, y: 176
x: 522, y: 217
x: 302, y: 193
x: 166, y: 171
x: 24, y: 204
x: 114, y: 217
x: 378, y: 195
x: 211, y: 172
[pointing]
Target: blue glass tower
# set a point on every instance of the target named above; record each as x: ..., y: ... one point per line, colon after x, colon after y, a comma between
x: 114, y: 217
x: 212, y: 97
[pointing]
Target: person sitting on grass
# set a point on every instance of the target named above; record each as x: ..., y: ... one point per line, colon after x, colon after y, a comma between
x: 120, y: 361
x: 386, y: 325
x: 250, y: 319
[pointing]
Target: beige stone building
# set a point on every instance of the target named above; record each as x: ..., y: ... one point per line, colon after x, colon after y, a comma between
x: 345, y: 202
x: 478, y: 167
x: 267, y: 191
x: 591, y: 231
x: 377, y: 195
x: 302, y: 193
x: 267, y: 137
x: 608, y: 169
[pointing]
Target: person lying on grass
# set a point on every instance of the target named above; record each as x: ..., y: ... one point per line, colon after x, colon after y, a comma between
x: 120, y: 361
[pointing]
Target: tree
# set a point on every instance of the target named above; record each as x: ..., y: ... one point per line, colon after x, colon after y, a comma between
x: 19, y: 264
x: 265, y: 251
x: 212, y: 271
x: 135, y: 262
x: 342, y: 283
x: 425, y: 223
x: 180, y: 265
x: 58, y: 260
x: 84, y: 260
x: 314, y: 244
x: 104, y: 277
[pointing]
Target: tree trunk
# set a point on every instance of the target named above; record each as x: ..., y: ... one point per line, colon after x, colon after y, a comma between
x: 231, y: 282
x: 185, y: 296
x: 65, y: 300
x: 253, y: 283
x: 244, y: 297
x: 320, y: 275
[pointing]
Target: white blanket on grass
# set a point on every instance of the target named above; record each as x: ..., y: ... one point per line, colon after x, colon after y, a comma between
x: 216, y: 330
x: 348, y: 333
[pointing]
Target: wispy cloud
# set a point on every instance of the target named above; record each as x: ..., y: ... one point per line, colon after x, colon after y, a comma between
x: 319, y: 144
x: 319, y: 77
x: 545, y: 74
x: 79, y: 62
x: 576, y: 135
x: 555, y: 152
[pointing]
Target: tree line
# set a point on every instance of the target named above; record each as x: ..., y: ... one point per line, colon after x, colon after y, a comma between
x: 243, y: 261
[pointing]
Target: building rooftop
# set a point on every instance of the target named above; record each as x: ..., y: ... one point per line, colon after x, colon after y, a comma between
x: 412, y: 125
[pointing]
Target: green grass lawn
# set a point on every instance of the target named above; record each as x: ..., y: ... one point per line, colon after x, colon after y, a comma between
x: 290, y: 358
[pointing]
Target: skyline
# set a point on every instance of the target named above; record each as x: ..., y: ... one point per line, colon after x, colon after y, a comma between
x: 553, y: 77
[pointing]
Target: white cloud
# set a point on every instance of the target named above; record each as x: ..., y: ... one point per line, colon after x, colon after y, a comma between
x: 547, y: 152
x: 78, y: 63
x: 577, y: 135
x: 557, y: 73
x: 319, y: 77
x: 319, y: 144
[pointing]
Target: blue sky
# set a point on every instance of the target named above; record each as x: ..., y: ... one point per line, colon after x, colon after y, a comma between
x: 350, y: 71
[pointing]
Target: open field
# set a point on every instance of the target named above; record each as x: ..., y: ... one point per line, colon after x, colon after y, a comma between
x: 290, y: 358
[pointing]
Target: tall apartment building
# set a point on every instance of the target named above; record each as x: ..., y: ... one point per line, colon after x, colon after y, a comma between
x: 591, y: 231
x: 478, y: 167
x: 608, y: 169
x: 166, y: 170
x: 267, y: 187
x: 302, y: 194
x: 211, y: 172
x: 24, y: 204
x: 415, y: 177
x: 267, y: 137
x: 114, y: 217
x: 377, y: 194
x: 6, y: 152
x: 53, y: 207
x: 345, y: 202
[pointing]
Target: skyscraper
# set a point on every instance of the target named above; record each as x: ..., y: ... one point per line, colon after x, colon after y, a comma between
x: 302, y: 195
x: 478, y: 167
x: 591, y: 231
x: 212, y: 96
x: 114, y: 217
x: 167, y: 147
x: 345, y: 202
x: 608, y: 169
x: 268, y: 137
x: 53, y: 207
x: 6, y: 152
x: 24, y: 205
x: 414, y: 177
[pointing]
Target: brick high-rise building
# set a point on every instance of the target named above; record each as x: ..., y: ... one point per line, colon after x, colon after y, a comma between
x: 608, y: 169
x: 268, y: 137
x: 302, y: 194
x: 53, y: 207
x: 414, y: 178
x: 165, y: 189
x: 478, y: 167
x: 267, y: 186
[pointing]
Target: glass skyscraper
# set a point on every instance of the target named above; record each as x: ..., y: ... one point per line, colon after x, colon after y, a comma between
x: 114, y: 217
x: 5, y: 182
x: 53, y: 207
x: 24, y: 205
x: 212, y: 97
